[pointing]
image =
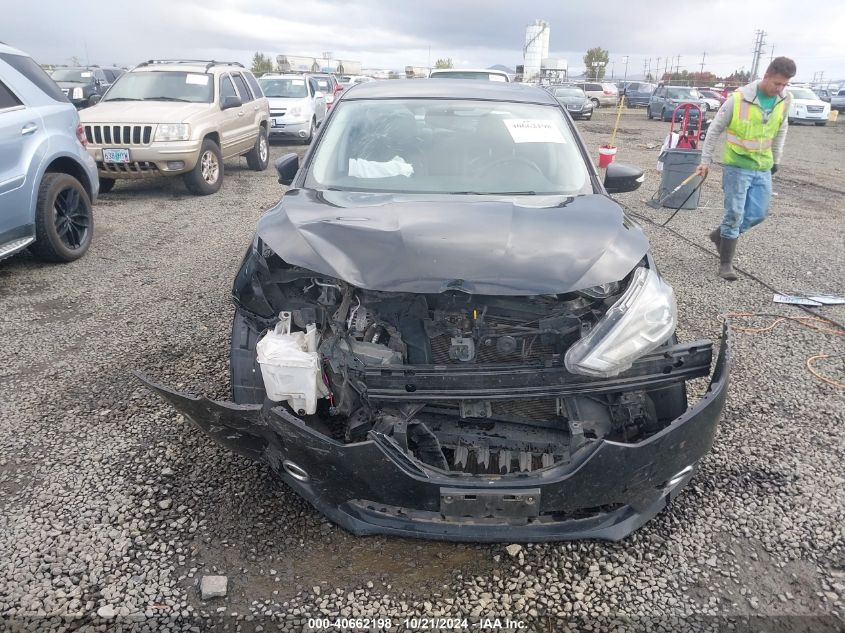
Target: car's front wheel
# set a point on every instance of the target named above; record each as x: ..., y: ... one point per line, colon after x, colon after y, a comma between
x: 64, y: 221
x: 596, y: 103
x: 207, y: 175
x: 311, y: 126
x: 258, y: 158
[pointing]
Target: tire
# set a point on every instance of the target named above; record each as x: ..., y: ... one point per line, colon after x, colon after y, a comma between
x: 64, y: 221
x: 596, y: 103
x: 107, y: 184
x: 307, y: 139
x: 258, y: 158
x: 663, y: 116
x: 790, y: 120
x: 204, y: 185
x: 648, y: 113
x: 820, y: 123
x: 588, y: 116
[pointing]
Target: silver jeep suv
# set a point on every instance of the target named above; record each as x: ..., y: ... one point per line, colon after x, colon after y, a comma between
x: 178, y: 118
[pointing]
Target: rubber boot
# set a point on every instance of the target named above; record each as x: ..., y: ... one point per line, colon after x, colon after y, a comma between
x: 716, y: 236
x: 727, y: 249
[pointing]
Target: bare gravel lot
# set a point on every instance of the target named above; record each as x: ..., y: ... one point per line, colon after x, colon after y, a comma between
x: 110, y: 502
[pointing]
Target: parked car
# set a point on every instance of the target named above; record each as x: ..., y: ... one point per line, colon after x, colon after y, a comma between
x: 179, y: 118
x: 807, y: 107
x: 48, y: 182
x: 297, y: 105
x: 430, y: 371
x: 837, y: 101
x: 665, y: 99
x: 601, y: 94
x: 80, y: 84
x: 713, y: 98
x: 574, y: 100
x: 329, y: 86
x: 484, y: 74
x: 112, y: 73
x: 823, y: 94
x: 638, y: 93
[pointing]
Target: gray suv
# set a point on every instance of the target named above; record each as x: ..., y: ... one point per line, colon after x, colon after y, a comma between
x: 665, y: 99
x: 48, y: 182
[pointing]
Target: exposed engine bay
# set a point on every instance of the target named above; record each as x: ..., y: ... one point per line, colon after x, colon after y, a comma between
x: 461, y: 382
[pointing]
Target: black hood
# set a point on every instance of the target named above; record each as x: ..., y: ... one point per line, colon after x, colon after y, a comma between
x: 495, y: 245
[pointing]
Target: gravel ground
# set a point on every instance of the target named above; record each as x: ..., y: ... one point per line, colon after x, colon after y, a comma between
x: 112, y: 508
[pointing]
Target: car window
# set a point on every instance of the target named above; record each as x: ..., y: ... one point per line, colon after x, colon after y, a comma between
x: 34, y: 73
x: 110, y: 77
x: 312, y: 85
x: 803, y: 93
x: 8, y: 98
x: 471, y: 147
x: 240, y: 82
x: 682, y: 93
x: 323, y: 84
x: 157, y: 85
x: 99, y: 75
x: 283, y: 87
x: 469, y: 74
x: 594, y: 87
x: 227, y: 88
x: 256, y: 89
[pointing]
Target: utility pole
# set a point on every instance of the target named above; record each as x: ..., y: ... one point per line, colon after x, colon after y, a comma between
x: 657, y: 69
x: 678, y: 65
x: 703, y: 55
x: 758, y: 51
x: 625, y: 76
x: 772, y: 56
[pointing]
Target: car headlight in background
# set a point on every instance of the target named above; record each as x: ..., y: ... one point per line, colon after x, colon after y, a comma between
x: 642, y: 320
x: 173, y: 132
x: 78, y: 93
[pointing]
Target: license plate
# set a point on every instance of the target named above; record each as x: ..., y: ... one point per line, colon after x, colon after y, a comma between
x: 115, y: 155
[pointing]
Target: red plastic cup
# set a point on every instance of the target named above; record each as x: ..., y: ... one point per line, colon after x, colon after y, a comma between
x: 606, y: 155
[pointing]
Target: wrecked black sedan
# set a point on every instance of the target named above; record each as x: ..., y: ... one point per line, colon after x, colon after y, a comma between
x: 447, y: 329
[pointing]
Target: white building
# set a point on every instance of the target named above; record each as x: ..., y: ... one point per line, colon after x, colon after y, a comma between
x: 536, y: 49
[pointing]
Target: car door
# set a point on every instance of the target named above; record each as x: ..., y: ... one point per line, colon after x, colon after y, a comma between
x: 654, y: 104
x: 20, y: 153
x: 319, y: 100
x: 231, y: 125
x: 251, y: 119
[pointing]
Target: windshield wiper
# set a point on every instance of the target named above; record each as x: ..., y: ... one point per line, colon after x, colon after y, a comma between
x: 162, y: 98
x: 122, y: 99
x: 493, y: 193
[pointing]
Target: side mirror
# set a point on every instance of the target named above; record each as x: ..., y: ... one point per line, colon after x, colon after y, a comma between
x: 622, y: 178
x: 287, y: 166
x: 95, y: 99
x: 231, y: 102
x: 319, y: 95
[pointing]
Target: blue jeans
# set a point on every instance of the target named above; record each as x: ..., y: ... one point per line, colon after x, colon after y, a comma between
x: 747, y: 196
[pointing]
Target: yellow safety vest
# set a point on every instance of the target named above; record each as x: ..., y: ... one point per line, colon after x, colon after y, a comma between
x: 750, y: 136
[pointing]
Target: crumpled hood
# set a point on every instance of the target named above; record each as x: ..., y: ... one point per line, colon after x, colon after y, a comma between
x: 494, y: 245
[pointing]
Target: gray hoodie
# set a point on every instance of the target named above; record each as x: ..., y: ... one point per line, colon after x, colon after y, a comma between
x: 723, y: 119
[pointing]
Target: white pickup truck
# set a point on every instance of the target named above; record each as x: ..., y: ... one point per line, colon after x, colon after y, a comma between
x: 837, y: 101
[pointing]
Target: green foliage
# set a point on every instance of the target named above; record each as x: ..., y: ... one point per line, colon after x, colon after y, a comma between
x: 443, y: 63
x: 261, y: 64
x: 596, y: 60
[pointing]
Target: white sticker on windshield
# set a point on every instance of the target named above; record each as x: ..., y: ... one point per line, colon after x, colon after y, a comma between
x: 297, y: 82
x: 534, y: 131
x: 84, y: 74
x: 198, y: 80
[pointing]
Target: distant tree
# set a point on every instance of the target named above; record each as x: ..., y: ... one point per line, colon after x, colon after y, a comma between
x: 261, y: 64
x: 443, y: 63
x: 596, y: 60
x: 739, y: 76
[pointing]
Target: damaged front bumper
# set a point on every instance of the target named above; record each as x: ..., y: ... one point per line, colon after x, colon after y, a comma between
x: 607, y: 490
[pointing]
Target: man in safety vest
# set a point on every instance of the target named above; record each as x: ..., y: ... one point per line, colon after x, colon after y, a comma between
x: 755, y: 121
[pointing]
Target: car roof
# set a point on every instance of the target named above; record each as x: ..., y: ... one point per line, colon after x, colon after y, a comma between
x: 469, y: 89
x: 10, y: 50
x: 469, y: 70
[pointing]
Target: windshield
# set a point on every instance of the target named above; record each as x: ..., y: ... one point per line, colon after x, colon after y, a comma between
x: 283, y: 87
x: 803, y: 93
x: 643, y: 89
x: 569, y: 92
x: 442, y: 146
x: 162, y: 86
x: 468, y: 74
x: 323, y: 84
x: 79, y: 75
x: 683, y: 93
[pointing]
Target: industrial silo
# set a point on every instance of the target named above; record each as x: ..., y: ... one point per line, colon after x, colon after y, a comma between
x: 536, y: 48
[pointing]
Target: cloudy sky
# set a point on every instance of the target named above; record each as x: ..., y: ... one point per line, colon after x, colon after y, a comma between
x: 391, y: 34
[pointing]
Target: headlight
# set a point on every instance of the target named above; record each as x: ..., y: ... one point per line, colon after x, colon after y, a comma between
x: 77, y: 93
x: 643, y: 318
x: 173, y: 132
